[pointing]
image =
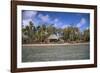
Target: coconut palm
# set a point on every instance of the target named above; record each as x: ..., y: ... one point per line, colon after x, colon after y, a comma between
x: 86, y: 35
x: 71, y: 33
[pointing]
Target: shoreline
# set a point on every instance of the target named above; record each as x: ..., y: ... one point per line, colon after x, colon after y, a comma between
x: 28, y: 45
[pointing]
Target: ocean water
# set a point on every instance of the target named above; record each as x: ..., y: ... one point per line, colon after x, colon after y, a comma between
x: 55, y: 53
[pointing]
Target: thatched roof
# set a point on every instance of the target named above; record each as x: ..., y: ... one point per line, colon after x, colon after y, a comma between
x: 24, y: 36
x: 53, y: 36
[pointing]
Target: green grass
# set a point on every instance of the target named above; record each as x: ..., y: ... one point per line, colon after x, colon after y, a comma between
x: 55, y: 53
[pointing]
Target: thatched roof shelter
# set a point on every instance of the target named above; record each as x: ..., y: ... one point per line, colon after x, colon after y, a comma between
x: 24, y: 36
x: 53, y: 37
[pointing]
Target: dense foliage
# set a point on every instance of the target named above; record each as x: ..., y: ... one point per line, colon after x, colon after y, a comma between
x: 38, y: 34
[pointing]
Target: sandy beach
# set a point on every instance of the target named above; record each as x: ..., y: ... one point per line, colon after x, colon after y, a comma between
x: 53, y: 44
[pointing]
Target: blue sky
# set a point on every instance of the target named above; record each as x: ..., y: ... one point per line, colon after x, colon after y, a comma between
x: 58, y: 19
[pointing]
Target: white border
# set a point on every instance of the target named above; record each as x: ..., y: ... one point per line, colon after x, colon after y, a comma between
x: 53, y: 63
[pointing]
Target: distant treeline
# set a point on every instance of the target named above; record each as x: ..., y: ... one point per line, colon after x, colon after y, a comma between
x: 38, y: 34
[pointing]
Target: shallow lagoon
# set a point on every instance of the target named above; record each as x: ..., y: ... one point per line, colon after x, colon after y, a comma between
x: 55, y: 53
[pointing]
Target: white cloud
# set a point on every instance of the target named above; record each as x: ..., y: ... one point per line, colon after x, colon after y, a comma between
x: 55, y: 25
x: 65, y: 26
x: 29, y: 14
x: 27, y: 17
x: 81, y: 23
x: 26, y: 22
x: 56, y: 20
x: 87, y: 28
x: 44, y: 18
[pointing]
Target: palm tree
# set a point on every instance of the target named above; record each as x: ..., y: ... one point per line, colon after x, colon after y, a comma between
x: 86, y: 35
x: 29, y: 30
x: 71, y: 33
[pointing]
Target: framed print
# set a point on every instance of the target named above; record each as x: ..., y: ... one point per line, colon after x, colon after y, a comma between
x: 52, y: 36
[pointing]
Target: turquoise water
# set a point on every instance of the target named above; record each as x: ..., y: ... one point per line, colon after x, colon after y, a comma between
x: 55, y: 53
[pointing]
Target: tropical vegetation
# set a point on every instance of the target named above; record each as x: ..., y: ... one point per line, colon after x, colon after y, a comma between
x: 40, y: 33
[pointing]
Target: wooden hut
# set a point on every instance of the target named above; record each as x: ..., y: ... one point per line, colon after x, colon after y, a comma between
x: 53, y: 38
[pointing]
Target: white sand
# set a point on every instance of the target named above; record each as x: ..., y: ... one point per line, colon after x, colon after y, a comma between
x: 53, y: 44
